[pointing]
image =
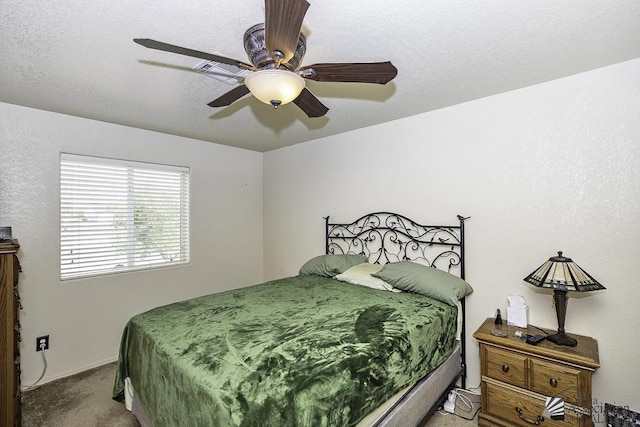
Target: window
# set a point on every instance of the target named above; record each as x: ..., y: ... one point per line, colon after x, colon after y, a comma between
x: 119, y: 216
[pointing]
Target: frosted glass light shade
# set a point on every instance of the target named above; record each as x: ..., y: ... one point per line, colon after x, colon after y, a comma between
x: 275, y: 87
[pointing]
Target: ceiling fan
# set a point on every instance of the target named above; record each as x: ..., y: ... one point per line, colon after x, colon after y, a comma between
x: 275, y: 49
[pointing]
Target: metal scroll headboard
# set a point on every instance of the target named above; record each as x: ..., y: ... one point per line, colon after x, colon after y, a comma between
x: 385, y: 237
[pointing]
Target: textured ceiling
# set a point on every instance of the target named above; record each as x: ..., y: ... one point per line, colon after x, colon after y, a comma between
x: 78, y: 58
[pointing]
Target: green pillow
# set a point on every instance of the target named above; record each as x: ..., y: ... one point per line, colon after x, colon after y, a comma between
x: 421, y: 279
x: 330, y: 265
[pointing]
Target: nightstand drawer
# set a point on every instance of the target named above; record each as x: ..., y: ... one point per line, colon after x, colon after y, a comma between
x: 505, y: 366
x: 518, y: 408
x: 557, y: 380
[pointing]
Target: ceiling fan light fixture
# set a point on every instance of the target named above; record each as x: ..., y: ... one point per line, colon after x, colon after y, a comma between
x: 275, y: 87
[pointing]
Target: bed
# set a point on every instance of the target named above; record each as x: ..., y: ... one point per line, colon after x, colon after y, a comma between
x: 366, y: 334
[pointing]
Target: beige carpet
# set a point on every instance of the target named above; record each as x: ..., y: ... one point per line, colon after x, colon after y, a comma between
x: 84, y: 400
x: 449, y: 420
x: 79, y: 400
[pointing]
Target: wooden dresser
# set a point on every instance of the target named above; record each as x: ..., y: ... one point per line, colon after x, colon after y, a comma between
x: 9, y: 335
x: 518, y: 377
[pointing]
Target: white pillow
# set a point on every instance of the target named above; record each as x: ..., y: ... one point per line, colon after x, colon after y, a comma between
x: 361, y: 274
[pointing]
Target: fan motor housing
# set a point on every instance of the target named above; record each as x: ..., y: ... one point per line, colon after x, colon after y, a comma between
x: 261, y: 58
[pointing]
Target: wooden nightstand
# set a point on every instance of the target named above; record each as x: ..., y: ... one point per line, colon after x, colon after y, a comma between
x: 518, y: 377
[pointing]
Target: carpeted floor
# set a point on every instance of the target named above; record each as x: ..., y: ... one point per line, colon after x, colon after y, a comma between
x: 84, y: 400
x: 79, y: 400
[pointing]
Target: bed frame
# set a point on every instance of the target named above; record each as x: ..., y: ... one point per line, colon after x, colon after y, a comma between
x: 385, y: 237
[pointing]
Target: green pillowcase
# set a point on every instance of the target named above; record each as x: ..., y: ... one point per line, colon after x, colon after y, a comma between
x: 330, y: 265
x: 429, y: 281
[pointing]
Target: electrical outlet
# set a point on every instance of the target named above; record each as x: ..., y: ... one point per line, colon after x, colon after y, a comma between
x: 42, y: 343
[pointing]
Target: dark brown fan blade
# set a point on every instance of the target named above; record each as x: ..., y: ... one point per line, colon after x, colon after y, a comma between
x: 230, y: 97
x: 371, y: 72
x: 154, y: 44
x: 310, y: 104
x: 283, y: 21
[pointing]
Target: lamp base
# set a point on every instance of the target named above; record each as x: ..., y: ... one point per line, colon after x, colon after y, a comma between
x: 561, y: 338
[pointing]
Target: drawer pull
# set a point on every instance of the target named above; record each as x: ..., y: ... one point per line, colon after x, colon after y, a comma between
x: 505, y: 368
x: 537, y: 422
x: 553, y: 382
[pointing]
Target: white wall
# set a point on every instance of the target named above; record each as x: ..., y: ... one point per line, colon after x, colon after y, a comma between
x: 84, y: 318
x: 546, y: 168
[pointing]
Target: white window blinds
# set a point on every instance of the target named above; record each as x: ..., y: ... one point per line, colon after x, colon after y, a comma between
x: 119, y: 216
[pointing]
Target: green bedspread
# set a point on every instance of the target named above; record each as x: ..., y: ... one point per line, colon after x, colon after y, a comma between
x: 300, y: 351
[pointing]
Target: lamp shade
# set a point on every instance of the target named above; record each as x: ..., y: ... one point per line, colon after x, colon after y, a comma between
x: 562, y: 273
x: 275, y: 87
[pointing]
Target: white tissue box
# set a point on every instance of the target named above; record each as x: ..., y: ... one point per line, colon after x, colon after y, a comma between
x: 518, y: 316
